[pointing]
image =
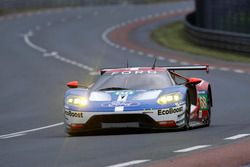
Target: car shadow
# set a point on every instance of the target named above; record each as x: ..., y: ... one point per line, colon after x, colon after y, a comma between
x: 123, y: 131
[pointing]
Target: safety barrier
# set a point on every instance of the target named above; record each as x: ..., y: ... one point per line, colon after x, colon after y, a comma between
x: 218, y: 39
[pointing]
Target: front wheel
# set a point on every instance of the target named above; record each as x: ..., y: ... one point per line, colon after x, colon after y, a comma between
x: 69, y: 132
x: 187, y: 114
x: 208, y: 122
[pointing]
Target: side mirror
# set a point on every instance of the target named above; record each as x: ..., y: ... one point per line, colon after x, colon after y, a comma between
x: 194, y: 81
x: 73, y: 84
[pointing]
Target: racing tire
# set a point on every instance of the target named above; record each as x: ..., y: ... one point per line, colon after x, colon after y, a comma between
x: 208, y: 122
x: 187, y: 113
x: 72, y: 133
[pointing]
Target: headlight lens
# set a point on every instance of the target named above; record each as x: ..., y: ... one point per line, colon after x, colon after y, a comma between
x: 77, y: 101
x: 169, y: 98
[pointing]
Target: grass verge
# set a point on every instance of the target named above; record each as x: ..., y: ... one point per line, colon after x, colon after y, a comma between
x: 173, y: 36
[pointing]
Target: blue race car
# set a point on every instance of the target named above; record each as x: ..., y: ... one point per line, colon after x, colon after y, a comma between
x: 139, y: 97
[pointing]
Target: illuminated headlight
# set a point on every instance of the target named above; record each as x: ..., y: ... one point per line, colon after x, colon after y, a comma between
x: 77, y: 101
x: 169, y: 98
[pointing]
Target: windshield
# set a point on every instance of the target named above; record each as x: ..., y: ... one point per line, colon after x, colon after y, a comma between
x: 133, y: 80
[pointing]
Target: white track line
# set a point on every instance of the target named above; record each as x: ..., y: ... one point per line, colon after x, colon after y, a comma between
x: 123, y: 48
x: 20, y: 133
x: 53, y: 54
x: 237, y: 136
x: 105, y: 35
x: 11, y: 136
x: 192, y: 148
x: 239, y: 71
x: 132, y: 51
x: 150, y: 16
x: 32, y: 45
x: 150, y: 55
x: 161, y: 58
x: 212, y: 68
x: 224, y: 69
x: 130, y: 163
x: 172, y: 61
x: 140, y: 53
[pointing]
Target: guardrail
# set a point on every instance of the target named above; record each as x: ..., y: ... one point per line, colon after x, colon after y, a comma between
x: 217, y: 39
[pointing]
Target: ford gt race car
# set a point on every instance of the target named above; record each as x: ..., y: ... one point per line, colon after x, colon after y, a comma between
x: 141, y: 97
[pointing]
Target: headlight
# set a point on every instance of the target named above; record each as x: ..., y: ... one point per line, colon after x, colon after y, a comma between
x: 169, y: 98
x: 77, y: 101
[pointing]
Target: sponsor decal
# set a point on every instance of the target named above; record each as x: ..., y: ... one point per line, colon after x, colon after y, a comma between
x: 170, y: 111
x: 124, y: 93
x: 135, y: 72
x: 74, y: 114
x: 202, y: 92
x: 120, y: 104
x: 203, y: 102
x: 200, y: 113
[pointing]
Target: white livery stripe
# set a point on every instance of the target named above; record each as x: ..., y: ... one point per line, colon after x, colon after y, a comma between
x: 130, y: 163
x: 237, y: 136
x: 192, y: 148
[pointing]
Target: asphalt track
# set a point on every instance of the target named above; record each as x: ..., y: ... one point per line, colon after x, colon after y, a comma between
x: 40, y: 52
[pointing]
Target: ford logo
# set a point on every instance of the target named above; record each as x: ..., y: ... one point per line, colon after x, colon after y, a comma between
x: 120, y: 104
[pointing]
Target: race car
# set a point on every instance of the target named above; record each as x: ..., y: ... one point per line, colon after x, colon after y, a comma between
x: 139, y: 97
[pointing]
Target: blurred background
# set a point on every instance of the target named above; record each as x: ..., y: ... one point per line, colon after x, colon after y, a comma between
x: 27, y: 4
x: 225, y: 15
x: 223, y: 24
x: 42, y: 49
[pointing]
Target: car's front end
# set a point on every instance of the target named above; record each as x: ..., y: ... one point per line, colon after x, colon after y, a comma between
x: 160, y: 108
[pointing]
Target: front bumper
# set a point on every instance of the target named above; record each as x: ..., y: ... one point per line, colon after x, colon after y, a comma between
x: 162, y: 118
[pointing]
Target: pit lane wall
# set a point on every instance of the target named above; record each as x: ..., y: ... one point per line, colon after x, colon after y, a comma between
x: 220, y: 24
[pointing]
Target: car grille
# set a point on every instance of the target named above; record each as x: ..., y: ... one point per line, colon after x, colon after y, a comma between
x: 143, y: 120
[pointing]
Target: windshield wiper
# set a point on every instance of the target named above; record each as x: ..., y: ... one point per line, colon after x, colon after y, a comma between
x: 113, y: 88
